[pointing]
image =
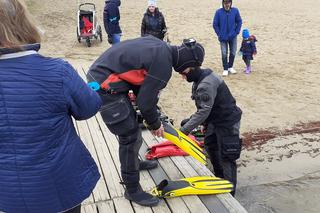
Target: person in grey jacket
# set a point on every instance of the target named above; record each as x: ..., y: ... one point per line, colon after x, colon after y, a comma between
x: 218, y: 112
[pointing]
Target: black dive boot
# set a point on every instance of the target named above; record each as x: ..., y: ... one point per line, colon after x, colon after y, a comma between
x: 147, y: 164
x: 140, y: 197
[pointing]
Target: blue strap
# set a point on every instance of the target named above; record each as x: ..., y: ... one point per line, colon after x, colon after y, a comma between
x: 113, y: 19
x: 94, y: 86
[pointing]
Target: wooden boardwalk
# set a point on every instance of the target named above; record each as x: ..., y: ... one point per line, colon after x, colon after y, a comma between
x: 107, y: 196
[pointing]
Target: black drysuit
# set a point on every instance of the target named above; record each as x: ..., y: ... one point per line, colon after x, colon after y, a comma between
x: 217, y: 110
x: 143, y: 65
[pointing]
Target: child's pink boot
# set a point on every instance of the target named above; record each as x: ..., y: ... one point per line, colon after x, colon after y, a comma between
x: 248, y: 70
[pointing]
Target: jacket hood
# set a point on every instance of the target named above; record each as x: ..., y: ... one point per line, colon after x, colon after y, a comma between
x: 117, y: 2
x: 225, y: 0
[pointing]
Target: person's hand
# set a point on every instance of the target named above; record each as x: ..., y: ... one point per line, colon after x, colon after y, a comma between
x: 203, y: 129
x: 109, y: 39
x: 158, y: 132
x: 184, y: 131
x: 184, y: 121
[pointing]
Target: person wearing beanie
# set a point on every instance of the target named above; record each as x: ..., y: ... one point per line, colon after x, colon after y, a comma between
x: 152, y: 3
x: 218, y: 113
x: 227, y: 25
x: 248, y: 49
x: 111, y: 18
x: 153, y: 22
x: 143, y: 65
x: 189, y: 54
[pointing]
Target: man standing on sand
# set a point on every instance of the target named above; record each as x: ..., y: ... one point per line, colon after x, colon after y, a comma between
x: 227, y: 25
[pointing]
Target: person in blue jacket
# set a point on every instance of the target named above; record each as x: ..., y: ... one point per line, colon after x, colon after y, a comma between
x: 44, y: 165
x: 111, y: 18
x: 227, y: 25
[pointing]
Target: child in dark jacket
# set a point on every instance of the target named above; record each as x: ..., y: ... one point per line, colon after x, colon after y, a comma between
x: 248, y: 49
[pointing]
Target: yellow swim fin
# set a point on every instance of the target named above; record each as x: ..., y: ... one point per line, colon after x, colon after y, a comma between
x: 184, y: 142
x: 203, y: 185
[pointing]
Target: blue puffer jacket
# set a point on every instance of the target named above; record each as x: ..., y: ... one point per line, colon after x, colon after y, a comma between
x: 227, y: 24
x: 44, y: 166
x: 111, y: 17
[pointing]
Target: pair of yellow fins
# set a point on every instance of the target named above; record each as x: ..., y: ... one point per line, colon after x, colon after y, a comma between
x: 202, y: 185
x: 184, y: 142
x: 192, y: 186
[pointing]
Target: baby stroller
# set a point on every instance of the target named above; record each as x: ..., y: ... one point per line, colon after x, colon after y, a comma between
x: 87, y: 28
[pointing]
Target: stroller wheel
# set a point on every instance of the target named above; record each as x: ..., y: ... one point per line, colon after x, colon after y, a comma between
x: 100, y: 33
x: 88, y: 42
x: 78, y: 37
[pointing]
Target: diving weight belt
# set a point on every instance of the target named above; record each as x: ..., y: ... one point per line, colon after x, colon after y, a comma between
x: 192, y: 186
x: 184, y: 142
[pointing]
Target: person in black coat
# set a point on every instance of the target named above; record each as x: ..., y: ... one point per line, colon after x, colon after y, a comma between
x: 111, y: 18
x: 153, y: 22
x: 143, y: 65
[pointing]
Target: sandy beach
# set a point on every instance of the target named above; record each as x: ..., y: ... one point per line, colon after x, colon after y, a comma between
x: 283, y: 173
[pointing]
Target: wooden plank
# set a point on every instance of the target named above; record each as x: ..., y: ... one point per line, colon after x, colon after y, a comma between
x: 145, y: 178
x: 177, y: 170
x: 145, y: 181
x: 175, y: 205
x: 90, y: 199
x: 228, y: 201
x: 89, y: 208
x: 141, y: 209
x: 201, y: 170
x: 193, y: 203
x: 187, y: 171
x: 100, y: 192
x: 147, y: 184
x: 212, y: 203
x: 111, y: 140
x: 106, y: 206
x: 122, y: 205
x: 75, y: 125
x: 108, y: 167
x: 157, y: 175
x: 190, y: 171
